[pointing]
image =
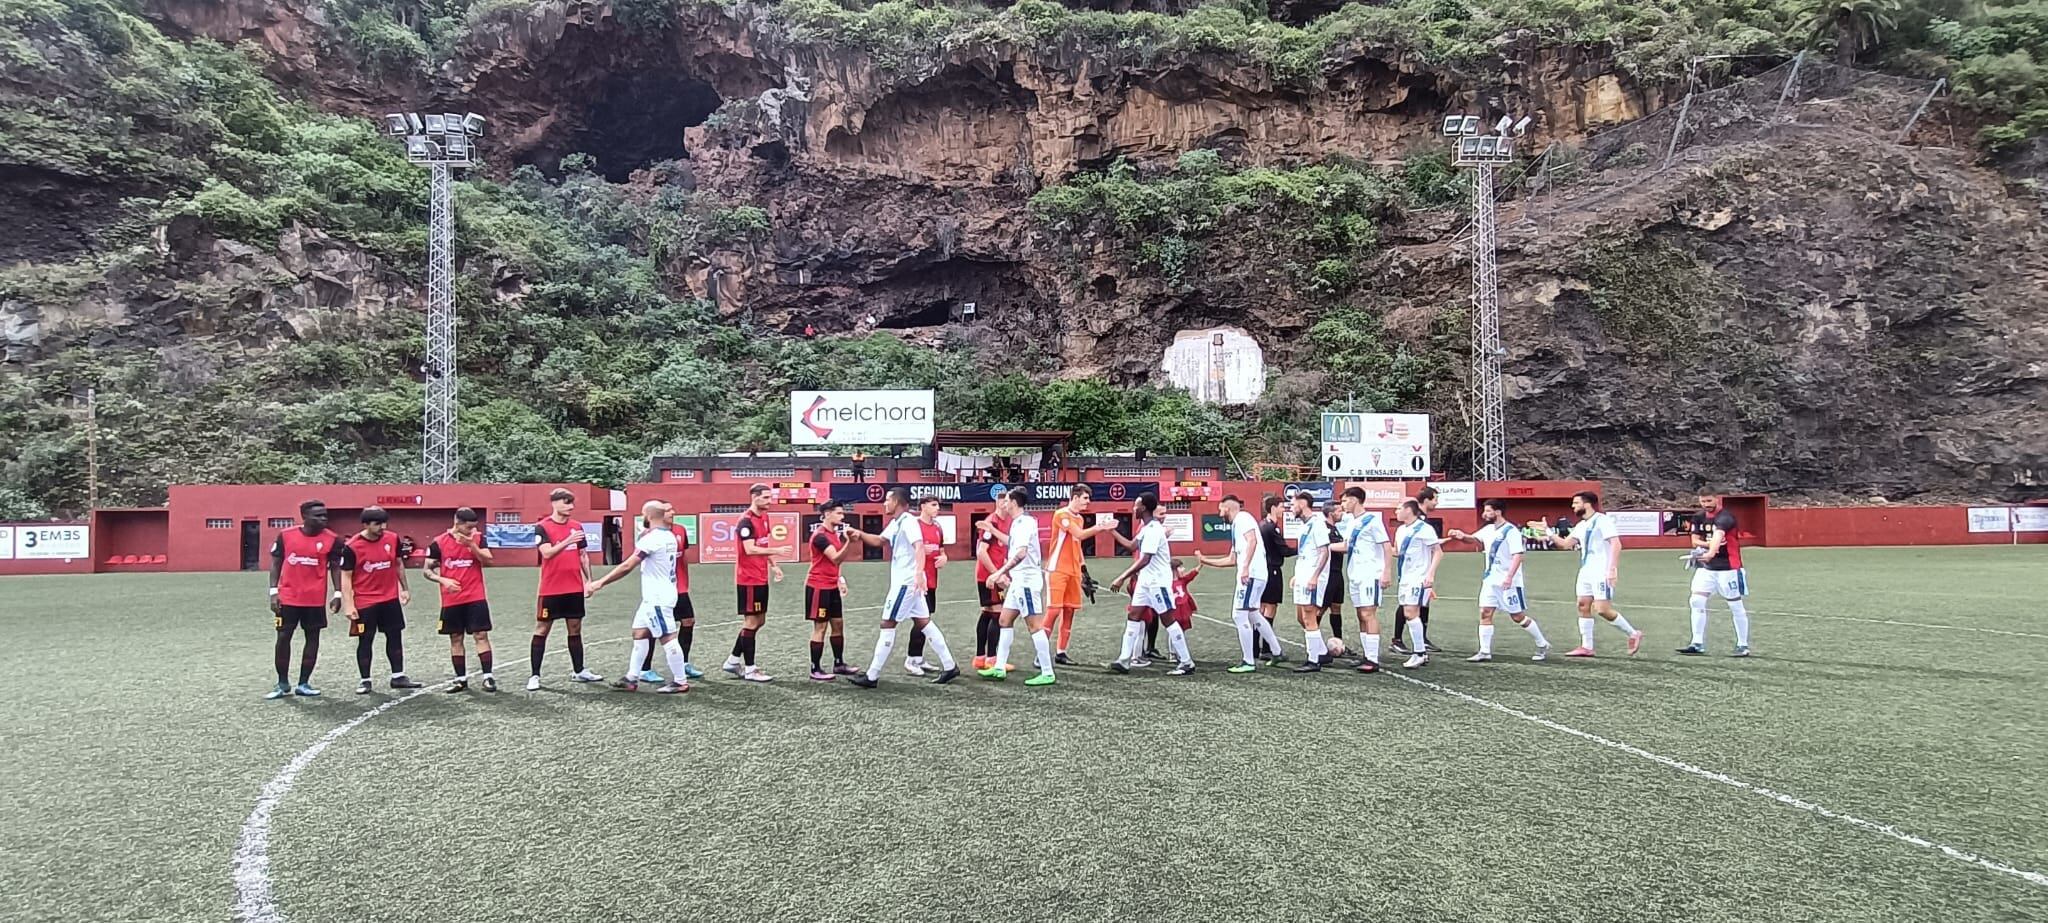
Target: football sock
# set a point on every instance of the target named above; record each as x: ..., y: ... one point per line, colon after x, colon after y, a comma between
x: 937, y: 639
x: 1134, y: 635
x: 1535, y: 631
x: 284, y: 654
x: 1699, y: 620
x: 1264, y: 627
x: 1066, y: 628
x: 394, y: 651
x: 817, y: 655
x: 1042, y: 646
x: 636, y: 662
x: 309, y: 656
x: 883, y: 646
x: 1418, y: 632
x: 683, y: 637
x: 483, y: 659
x: 647, y: 660
x: 984, y: 636
x: 365, y: 645
x: 917, y: 646
x: 675, y: 661
x: 1004, y: 637
x: 1152, y: 634
x: 539, y: 648
x: 461, y: 665
x: 1621, y: 622
x: 1586, y: 632
x: 1741, y: 613
x: 1243, y: 621
x: 747, y: 641
x: 1425, y: 617
x: 838, y: 648
x: 1486, y: 639
x: 575, y: 653
x: 1372, y: 647
x: 1179, y: 640
x: 1312, y: 642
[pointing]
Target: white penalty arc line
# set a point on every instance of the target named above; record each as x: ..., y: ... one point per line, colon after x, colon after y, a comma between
x: 1806, y: 615
x: 1962, y: 855
x: 255, y: 899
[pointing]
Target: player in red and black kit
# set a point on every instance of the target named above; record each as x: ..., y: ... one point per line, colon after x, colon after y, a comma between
x: 564, y: 571
x: 756, y: 563
x: 935, y: 556
x: 825, y: 592
x: 303, y: 561
x: 992, y: 551
x: 455, y: 560
x: 1717, y: 562
x: 377, y: 575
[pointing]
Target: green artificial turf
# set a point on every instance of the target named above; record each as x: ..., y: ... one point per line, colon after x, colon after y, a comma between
x: 1901, y: 687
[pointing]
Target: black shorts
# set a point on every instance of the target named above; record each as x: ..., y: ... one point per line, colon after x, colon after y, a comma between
x: 754, y: 599
x: 466, y: 619
x: 685, y: 611
x: 1274, y: 588
x: 558, y: 606
x: 1333, y: 584
x: 823, y: 604
x: 289, y: 617
x: 931, y: 602
x: 387, y: 617
x: 990, y: 600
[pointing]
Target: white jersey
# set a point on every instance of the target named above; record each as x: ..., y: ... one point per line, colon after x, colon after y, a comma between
x: 1157, y: 574
x: 1366, y: 535
x: 1501, y: 542
x: 903, y: 535
x: 1024, y: 550
x: 1413, y: 545
x: 1245, y: 527
x: 658, y: 552
x: 1596, y: 555
x: 1312, y: 551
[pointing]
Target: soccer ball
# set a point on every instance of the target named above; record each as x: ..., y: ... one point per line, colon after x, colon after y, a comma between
x: 1336, y: 646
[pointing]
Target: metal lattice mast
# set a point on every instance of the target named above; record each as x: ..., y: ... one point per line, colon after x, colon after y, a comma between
x: 1489, y: 438
x: 438, y: 439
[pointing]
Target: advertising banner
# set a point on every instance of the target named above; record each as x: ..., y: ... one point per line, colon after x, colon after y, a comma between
x: 52, y: 542
x: 1990, y: 519
x: 1040, y: 494
x: 861, y: 417
x: 1180, y: 527
x: 1456, y: 495
x: 717, y: 543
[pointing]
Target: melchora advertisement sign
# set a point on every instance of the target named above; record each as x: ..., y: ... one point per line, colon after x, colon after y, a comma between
x: 860, y: 417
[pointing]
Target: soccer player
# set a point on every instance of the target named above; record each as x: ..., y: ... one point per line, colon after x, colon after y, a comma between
x: 1151, y: 580
x: 303, y: 561
x: 455, y: 561
x: 564, y: 571
x: 1022, y: 579
x: 1273, y: 531
x: 934, y: 558
x: 377, y: 576
x: 1063, y: 585
x: 1313, y: 559
x: 686, y: 613
x: 825, y: 591
x: 1369, y: 570
x: 1717, y: 557
x: 1500, y: 585
x: 991, y: 552
x: 1333, y: 579
x: 655, y: 552
x: 905, y: 540
x: 757, y: 562
x: 1599, y: 548
x: 1427, y: 499
x: 1418, y: 551
x: 1247, y: 561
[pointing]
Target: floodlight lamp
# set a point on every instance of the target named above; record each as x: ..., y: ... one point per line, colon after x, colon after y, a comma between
x: 1488, y: 145
x: 417, y: 125
x: 458, y: 147
x: 1471, y: 125
x: 415, y: 147
x: 473, y: 124
x: 1501, y: 127
x: 435, y: 126
x: 452, y: 121
x: 1522, y: 127
x: 395, y: 123
x: 1453, y: 124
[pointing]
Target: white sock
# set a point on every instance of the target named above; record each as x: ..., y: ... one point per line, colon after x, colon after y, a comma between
x: 1003, y: 640
x: 1415, y: 631
x: 731, y: 660
x: 674, y: 650
x: 883, y: 646
x: 1265, y: 630
x: 1621, y: 622
x: 1372, y: 647
x: 1312, y: 642
x: 1699, y: 620
x: 1134, y: 641
x: 1243, y: 620
x: 1741, y: 613
x: 1039, y: 643
x: 1486, y: 639
x: 1586, y: 632
x: 1529, y: 625
x: 1178, y: 640
x: 936, y: 641
x: 640, y: 646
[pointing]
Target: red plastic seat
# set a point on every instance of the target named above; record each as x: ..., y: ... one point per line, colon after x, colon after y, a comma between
x: 113, y: 559
x: 160, y: 559
x: 130, y: 559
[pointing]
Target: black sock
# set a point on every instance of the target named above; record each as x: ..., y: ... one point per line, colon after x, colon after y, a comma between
x: 647, y: 662
x: 1151, y: 634
x: 916, y: 644
x: 309, y: 656
x: 1400, y: 624
x: 461, y: 665
x: 1336, y: 623
x: 284, y: 655
x: 817, y: 654
x: 576, y: 651
x: 985, y: 630
x: 394, y: 651
x: 839, y: 650
x: 747, y: 641
x: 539, y: 650
x: 683, y: 637
x: 483, y: 658
x: 365, y: 645
x: 739, y: 644
x: 1425, y: 624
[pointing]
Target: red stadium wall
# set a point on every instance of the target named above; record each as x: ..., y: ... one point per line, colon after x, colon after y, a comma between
x: 1884, y: 525
x: 13, y: 562
x: 132, y: 539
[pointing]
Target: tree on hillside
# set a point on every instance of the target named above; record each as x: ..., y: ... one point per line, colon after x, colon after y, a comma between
x: 1857, y: 25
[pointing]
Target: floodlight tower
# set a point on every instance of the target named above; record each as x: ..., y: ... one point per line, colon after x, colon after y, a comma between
x: 440, y: 142
x: 1482, y: 153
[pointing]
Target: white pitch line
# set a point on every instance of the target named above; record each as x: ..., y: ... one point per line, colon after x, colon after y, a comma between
x: 2034, y: 878
x: 254, y: 900
x: 1769, y: 613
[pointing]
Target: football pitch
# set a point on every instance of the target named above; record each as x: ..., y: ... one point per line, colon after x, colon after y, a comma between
x: 1883, y: 757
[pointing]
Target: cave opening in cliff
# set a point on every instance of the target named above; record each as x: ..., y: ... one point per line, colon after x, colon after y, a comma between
x: 929, y: 314
x: 638, y: 117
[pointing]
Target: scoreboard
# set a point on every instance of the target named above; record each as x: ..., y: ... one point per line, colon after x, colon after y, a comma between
x: 796, y: 492
x: 1175, y: 491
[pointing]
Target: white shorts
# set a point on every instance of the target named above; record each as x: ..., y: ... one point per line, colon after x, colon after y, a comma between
x: 903, y: 605
x: 1597, y: 589
x: 1025, y: 598
x: 659, y: 621
x: 1365, y: 594
x: 1156, y: 598
x: 1416, y: 595
x: 1309, y: 595
x: 1491, y: 596
x: 1249, y: 595
x: 1731, y: 584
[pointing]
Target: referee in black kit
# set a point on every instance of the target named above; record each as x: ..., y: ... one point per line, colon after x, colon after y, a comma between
x: 1333, y: 578
x: 1427, y: 498
x: 1277, y: 552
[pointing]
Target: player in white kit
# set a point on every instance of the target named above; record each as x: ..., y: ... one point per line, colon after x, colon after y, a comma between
x: 904, y: 537
x: 1368, y: 570
x: 1599, y: 546
x: 1417, y: 552
x: 655, y: 553
x: 1151, y: 580
x: 1022, y: 580
x: 1312, y: 560
x: 1500, y: 587
x: 1248, y: 560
